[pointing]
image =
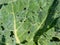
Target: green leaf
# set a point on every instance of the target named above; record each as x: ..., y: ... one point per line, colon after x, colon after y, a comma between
x: 29, y: 22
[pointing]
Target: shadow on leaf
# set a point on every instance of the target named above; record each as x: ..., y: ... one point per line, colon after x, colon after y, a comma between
x: 50, y: 21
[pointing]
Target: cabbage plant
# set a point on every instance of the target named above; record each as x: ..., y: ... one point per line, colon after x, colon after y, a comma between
x: 29, y: 22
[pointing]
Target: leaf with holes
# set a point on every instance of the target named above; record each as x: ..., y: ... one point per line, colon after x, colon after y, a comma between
x: 29, y: 22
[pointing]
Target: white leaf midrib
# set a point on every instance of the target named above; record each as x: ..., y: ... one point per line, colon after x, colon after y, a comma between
x: 15, y: 29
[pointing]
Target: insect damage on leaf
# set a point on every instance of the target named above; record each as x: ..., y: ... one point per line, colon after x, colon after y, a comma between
x: 12, y: 34
x: 24, y: 41
x: 55, y: 39
x: 3, y: 4
x: 17, y: 44
x: 2, y: 28
x: 3, y: 41
x: 26, y: 21
x: 25, y: 8
x: 28, y: 32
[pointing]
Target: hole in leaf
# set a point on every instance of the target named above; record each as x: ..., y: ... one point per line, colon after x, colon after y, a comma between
x: 1, y: 23
x: 23, y: 42
x: 18, y: 15
x: 21, y: 20
x: 25, y: 21
x: 2, y: 27
x: 28, y: 32
x: 17, y: 44
x: 3, y: 38
x: 33, y: 12
x: 5, y: 4
x: 1, y: 6
x: 57, y: 29
x: 55, y: 39
x: 12, y: 34
x: 41, y: 7
x: 25, y: 8
x: 12, y: 40
x: 36, y: 43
